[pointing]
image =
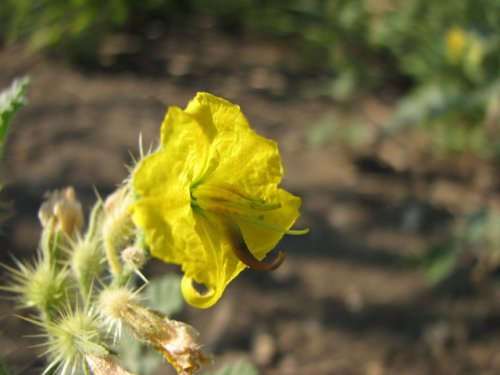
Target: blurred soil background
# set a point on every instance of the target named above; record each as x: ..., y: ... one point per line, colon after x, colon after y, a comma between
x: 398, y: 274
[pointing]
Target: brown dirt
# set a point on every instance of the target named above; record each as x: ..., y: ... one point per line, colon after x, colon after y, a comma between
x: 343, y: 302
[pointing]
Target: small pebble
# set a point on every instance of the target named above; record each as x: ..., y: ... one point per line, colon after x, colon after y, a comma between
x: 263, y: 349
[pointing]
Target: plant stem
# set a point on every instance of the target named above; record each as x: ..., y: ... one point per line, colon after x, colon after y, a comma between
x: 115, y: 265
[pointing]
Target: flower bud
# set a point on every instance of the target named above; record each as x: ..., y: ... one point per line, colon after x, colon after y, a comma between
x: 73, y: 338
x: 175, y: 340
x: 86, y: 262
x: 64, y: 209
x: 117, y: 226
x: 41, y: 285
x: 104, y: 366
x: 134, y: 257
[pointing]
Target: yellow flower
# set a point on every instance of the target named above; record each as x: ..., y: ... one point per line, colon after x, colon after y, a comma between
x: 209, y: 200
x: 456, y: 42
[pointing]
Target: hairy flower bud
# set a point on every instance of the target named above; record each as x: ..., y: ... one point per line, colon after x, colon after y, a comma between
x: 134, y: 257
x: 117, y: 224
x: 64, y: 209
x: 86, y: 262
x: 40, y: 285
x: 117, y: 227
x: 175, y: 340
x: 73, y: 339
x: 104, y: 366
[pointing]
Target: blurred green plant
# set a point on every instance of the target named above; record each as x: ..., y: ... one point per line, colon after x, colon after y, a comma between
x: 475, y: 244
x: 345, y: 129
x: 11, y: 100
x: 3, y: 368
x: 442, y: 56
x: 362, y: 44
x: 76, y: 28
x: 237, y: 368
x: 450, y: 51
x: 330, y: 35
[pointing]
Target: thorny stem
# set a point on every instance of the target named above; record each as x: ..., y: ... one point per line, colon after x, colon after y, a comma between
x: 115, y: 265
x: 85, y: 283
x: 85, y: 289
x: 94, y: 220
x: 50, y: 242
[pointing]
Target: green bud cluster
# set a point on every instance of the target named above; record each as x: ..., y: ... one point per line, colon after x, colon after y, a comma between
x: 72, y: 272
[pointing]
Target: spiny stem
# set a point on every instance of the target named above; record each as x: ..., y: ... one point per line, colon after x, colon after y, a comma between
x: 94, y: 220
x: 115, y: 265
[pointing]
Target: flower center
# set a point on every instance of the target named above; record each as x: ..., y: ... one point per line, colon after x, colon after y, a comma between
x: 232, y: 204
x: 228, y: 201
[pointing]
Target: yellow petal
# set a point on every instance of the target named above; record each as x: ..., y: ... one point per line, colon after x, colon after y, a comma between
x: 245, y: 159
x: 215, y: 266
x: 169, y: 227
x: 261, y: 239
x: 187, y: 144
x: 162, y: 182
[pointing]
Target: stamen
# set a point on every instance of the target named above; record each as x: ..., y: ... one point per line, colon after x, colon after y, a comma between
x: 258, y: 221
x: 227, y: 201
x: 226, y: 208
x: 227, y: 195
x: 243, y: 253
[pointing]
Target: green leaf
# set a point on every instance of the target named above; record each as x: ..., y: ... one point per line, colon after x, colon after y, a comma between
x: 440, y: 262
x: 11, y: 100
x: 238, y: 368
x: 136, y: 357
x: 323, y: 131
x: 164, y: 294
x: 344, y: 86
x: 418, y: 107
x: 3, y: 368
